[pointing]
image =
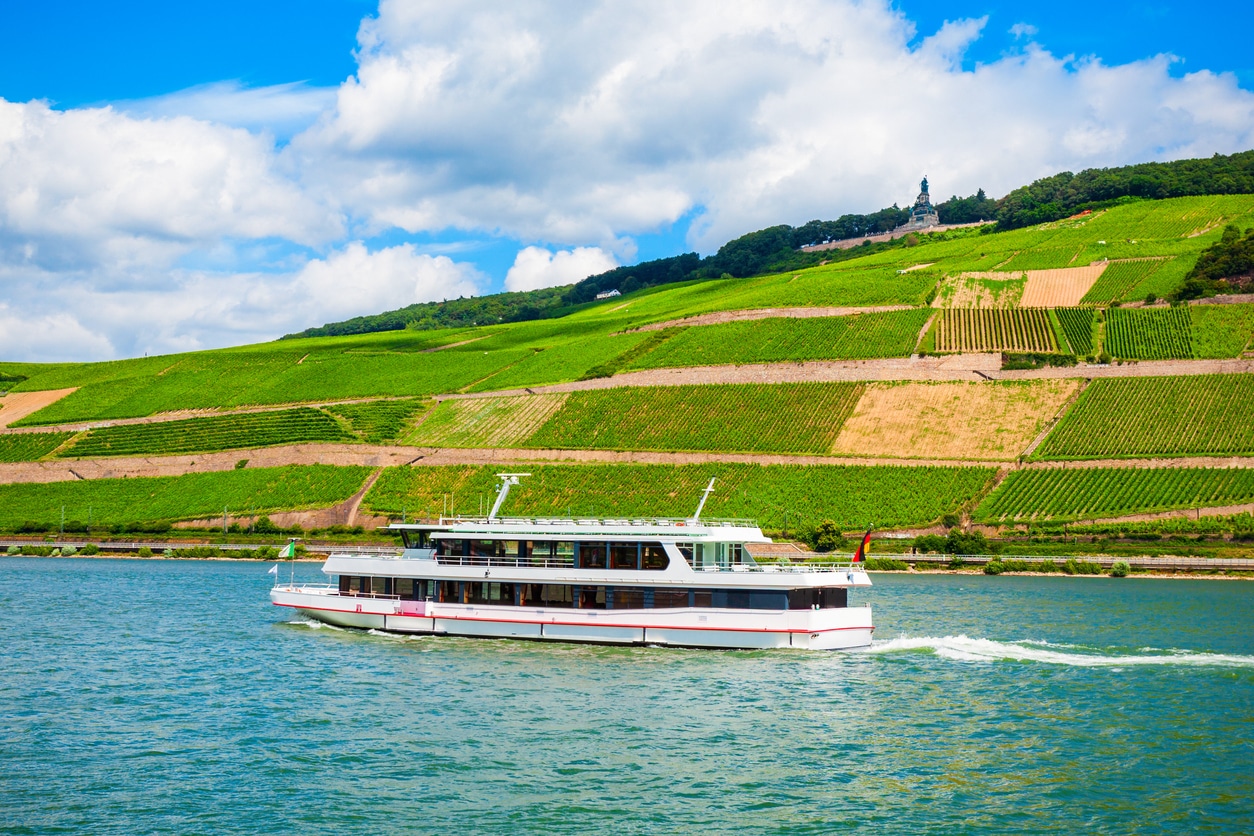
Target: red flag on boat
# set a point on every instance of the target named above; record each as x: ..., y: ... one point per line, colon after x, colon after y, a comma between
x: 860, y: 555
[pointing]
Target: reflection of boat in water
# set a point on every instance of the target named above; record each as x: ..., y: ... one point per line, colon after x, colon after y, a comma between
x: 688, y: 582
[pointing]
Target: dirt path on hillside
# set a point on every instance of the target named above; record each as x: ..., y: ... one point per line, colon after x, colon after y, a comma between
x: 1189, y: 513
x: 951, y: 367
x: 720, y: 317
x: 17, y: 405
x: 378, y: 456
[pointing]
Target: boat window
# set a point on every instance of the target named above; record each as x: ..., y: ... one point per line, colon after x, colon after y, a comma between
x: 654, y: 558
x: 747, y: 599
x: 628, y: 598
x: 686, y: 550
x: 452, y: 548
x: 349, y: 584
x: 447, y: 592
x: 547, y: 595
x: 624, y: 555
x: 487, y: 548
x: 416, y: 539
x: 735, y: 552
x: 591, y: 555
x: 564, y: 553
x: 808, y: 599
x: 833, y: 598
x: 666, y: 598
x: 592, y: 597
x: 702, y: 598
x: 404, y: 587
x: 489, y: 593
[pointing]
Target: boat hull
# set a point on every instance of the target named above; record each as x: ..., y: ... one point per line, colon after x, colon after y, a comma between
x: 824, y: 629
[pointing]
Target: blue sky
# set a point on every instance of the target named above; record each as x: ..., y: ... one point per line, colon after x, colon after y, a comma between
x: 224, y: 173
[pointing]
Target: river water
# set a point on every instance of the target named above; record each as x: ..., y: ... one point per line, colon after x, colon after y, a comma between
x: 169, y: 696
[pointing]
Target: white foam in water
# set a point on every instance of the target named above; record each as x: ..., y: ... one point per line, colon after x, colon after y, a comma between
x: 315, y: 625
x: 966, y: 649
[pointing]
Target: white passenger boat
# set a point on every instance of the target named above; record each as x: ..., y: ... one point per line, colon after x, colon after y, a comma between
x: 682, y: 582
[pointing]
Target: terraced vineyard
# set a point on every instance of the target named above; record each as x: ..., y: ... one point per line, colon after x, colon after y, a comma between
x: 1157, y: 416
x: 1077, y: 325
x: 121, y: 502
x: 1110, y: 492
x: 265, y: 375
x: 852, y: 497
x: 1149, y: 333
x: 209, y: 434
x: 29, y: 447
x: 379, y: 421
x: 1045, y: 258
x: 776, y: 340
x: 504, y: 421
x: 783, y: 418
x: 1118, y: 280
x: 1020, y: 329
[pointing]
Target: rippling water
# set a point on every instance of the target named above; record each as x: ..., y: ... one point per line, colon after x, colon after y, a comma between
x: 171, y: 697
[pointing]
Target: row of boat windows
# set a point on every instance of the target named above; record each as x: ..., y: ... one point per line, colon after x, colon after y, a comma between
x: 591, y: 555
x: 591, y: 597
x: 594, y: 555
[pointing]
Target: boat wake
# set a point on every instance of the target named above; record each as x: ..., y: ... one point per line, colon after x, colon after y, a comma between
x: 966, y: 649
x: 314, y: 625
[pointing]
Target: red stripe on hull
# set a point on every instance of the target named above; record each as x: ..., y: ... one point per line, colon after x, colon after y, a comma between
x: 582, y: 623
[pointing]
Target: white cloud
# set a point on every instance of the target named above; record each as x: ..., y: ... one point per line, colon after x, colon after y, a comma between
x: 580, y: 124
x: 1023, y: 30
x: 282, y: 109
x: 185, y: 310
x: 536, y: 267
x: 97, y: 187
x: 55, y: 337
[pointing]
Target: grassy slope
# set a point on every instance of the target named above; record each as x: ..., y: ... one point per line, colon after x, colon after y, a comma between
x: 1108, y: 492
x: 1157, y: 416
x: 209, y: 434
x: 784, y: 418
x: 29, y: 447
x: 527, y: 354
x: 549, y: 351
x: 166, y: 498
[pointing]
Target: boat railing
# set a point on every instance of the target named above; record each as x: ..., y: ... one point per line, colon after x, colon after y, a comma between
x: 801, y: 564
x: 621, y: 522
x: 513, y: 562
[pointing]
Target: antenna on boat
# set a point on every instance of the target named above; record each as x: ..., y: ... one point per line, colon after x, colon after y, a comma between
x: 508, y: 480
x: 705, y: 494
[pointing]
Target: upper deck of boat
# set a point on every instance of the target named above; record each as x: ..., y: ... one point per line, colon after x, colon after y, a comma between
x: 586, y: 528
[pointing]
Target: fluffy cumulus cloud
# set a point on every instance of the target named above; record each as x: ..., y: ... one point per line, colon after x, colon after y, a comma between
x: 580, y: 123
x: 192, y: 221
x: 536, y: 267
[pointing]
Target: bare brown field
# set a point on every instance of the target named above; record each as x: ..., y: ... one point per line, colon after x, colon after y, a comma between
x: 1060, y: 288
x: 984, y: 421
x: 486, y: 422
x: 981, y: 290
x: 17, y: 405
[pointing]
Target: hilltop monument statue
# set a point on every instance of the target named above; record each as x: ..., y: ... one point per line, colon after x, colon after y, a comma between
x: 923, y: 214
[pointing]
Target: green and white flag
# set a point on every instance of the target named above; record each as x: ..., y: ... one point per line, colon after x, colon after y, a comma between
x: 288, y: 551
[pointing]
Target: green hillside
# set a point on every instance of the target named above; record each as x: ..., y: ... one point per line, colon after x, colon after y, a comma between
x: 1065, y: 290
